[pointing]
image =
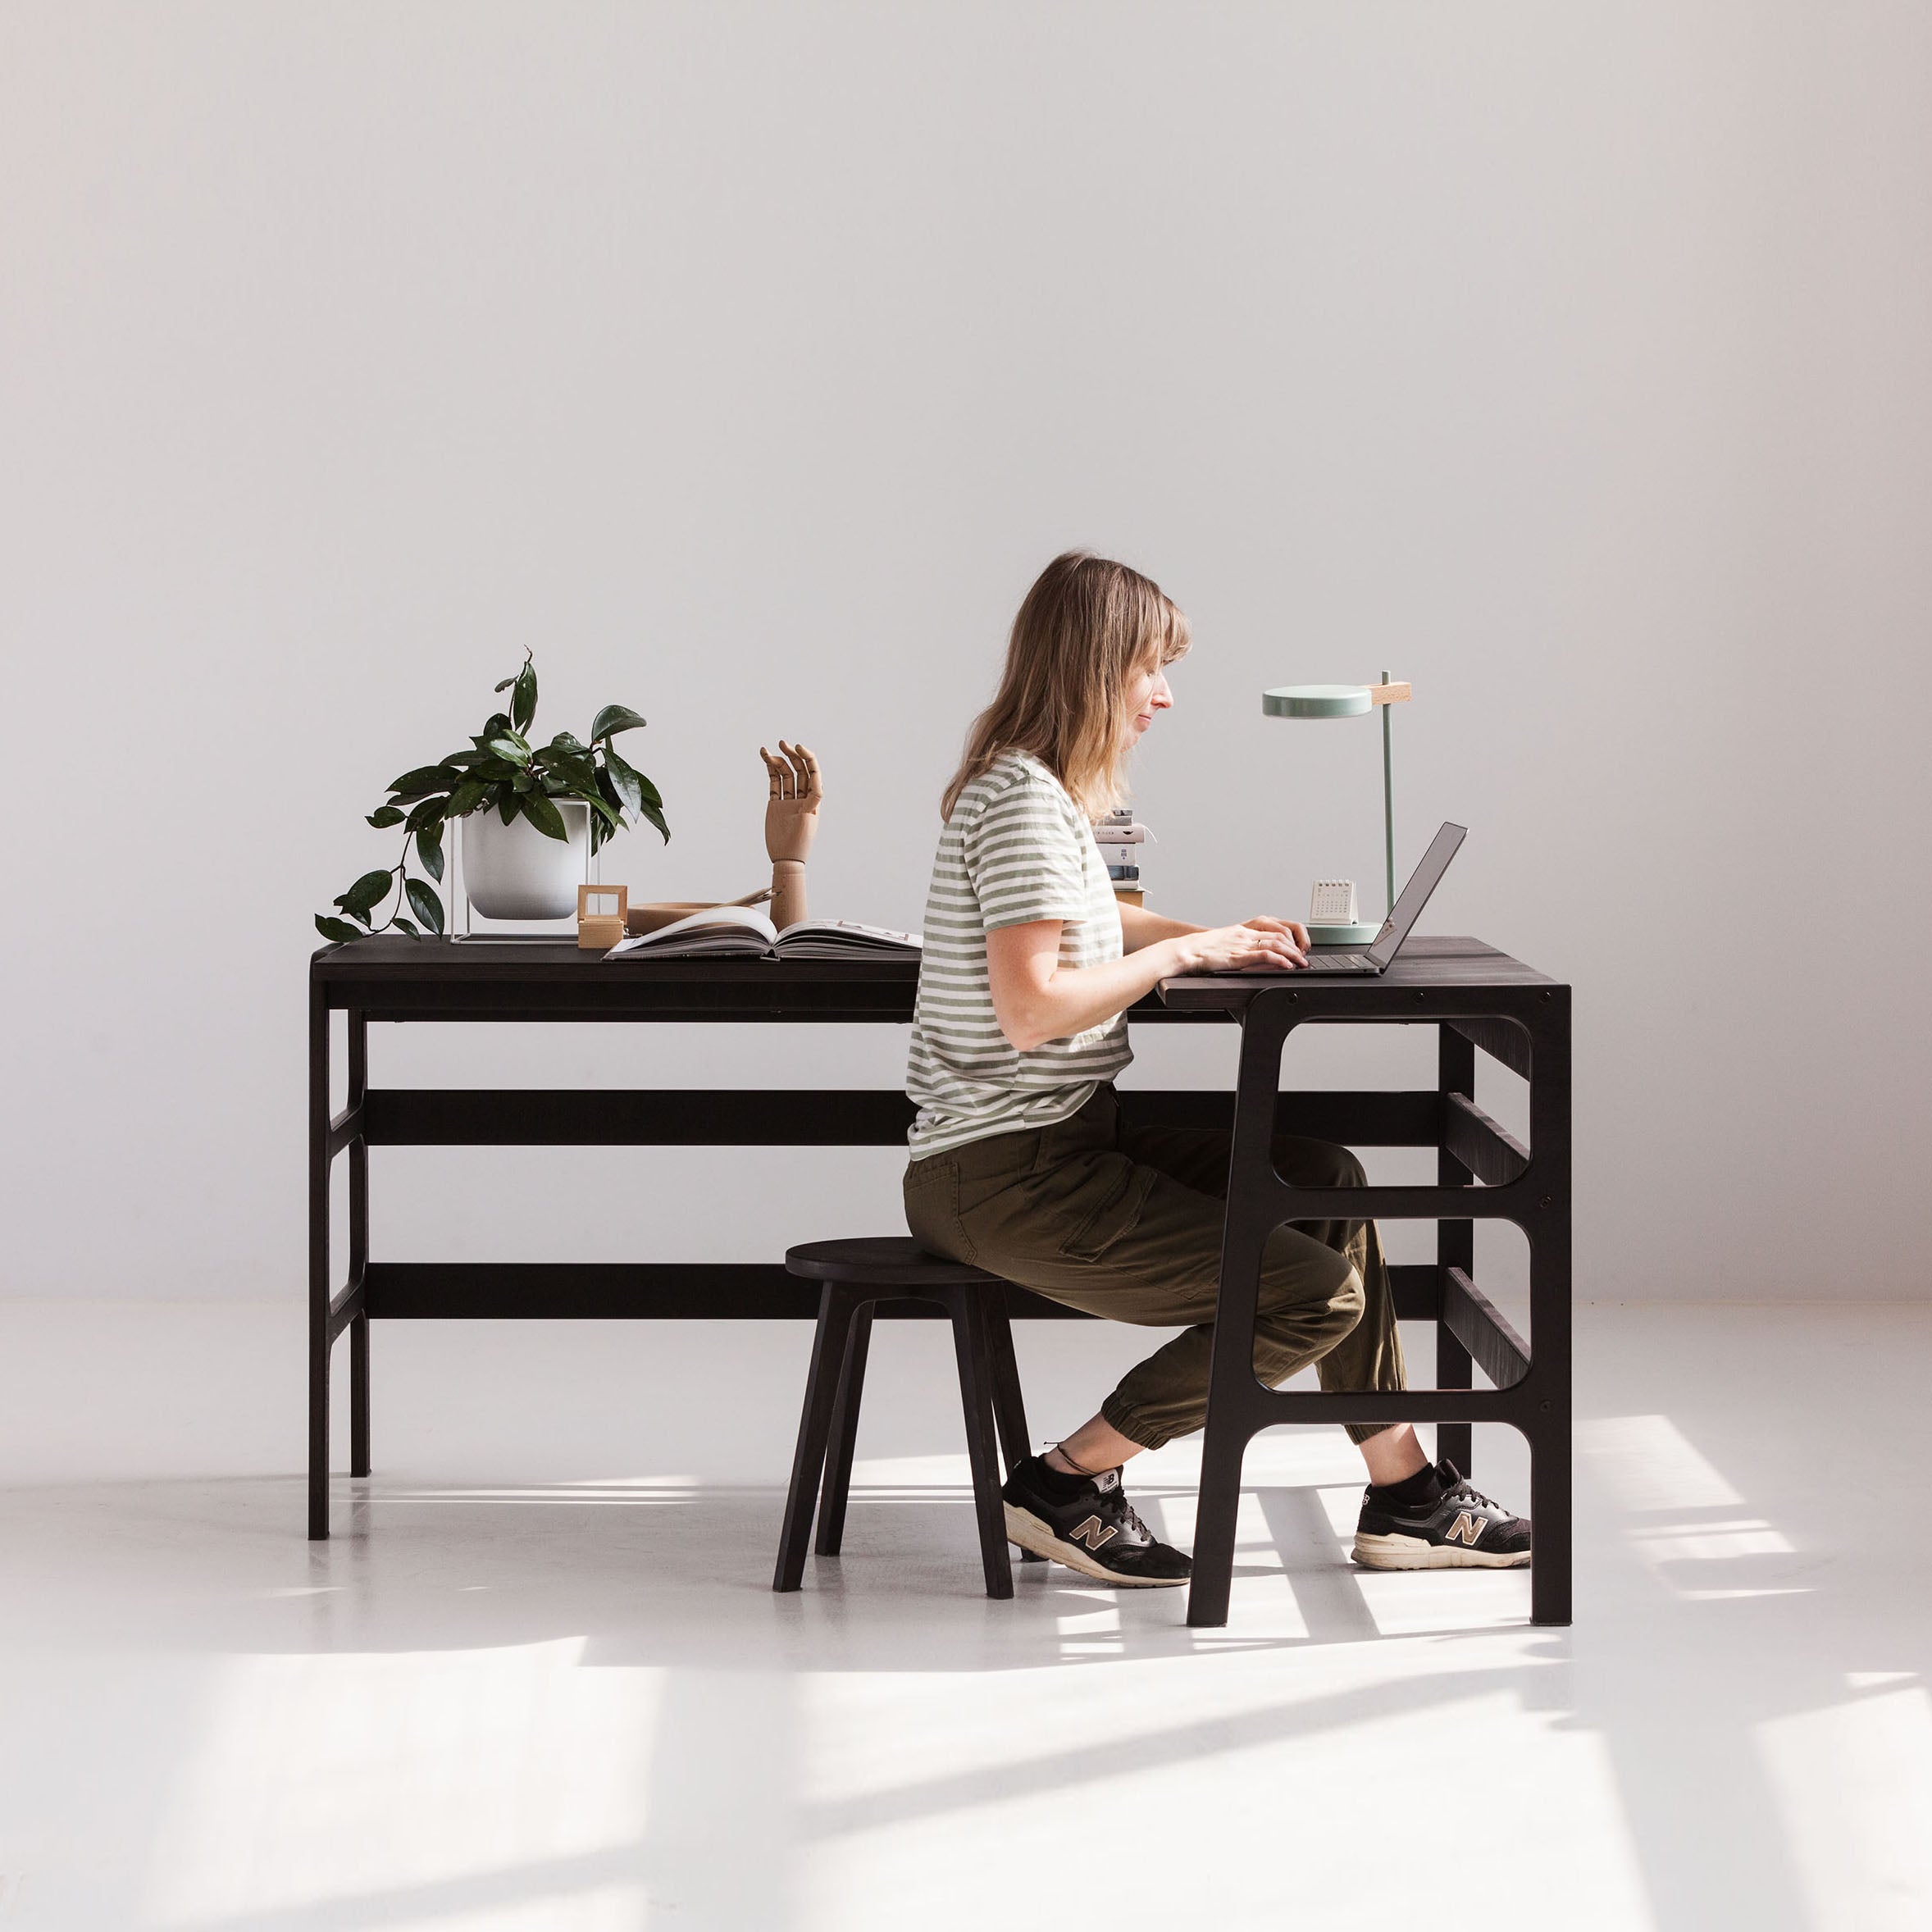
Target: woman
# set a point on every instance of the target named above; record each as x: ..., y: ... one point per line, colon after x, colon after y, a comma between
x: 1026, y: 1163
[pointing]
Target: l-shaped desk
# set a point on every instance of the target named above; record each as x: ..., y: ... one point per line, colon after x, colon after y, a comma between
x: 1479, y: 1001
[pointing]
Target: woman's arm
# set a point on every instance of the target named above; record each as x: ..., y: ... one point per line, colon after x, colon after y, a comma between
x: 1035, y: 998
x: 1140, y: 927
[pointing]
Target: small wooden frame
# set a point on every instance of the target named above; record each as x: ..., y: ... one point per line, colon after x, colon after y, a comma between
x: 1389, y: 694
x: 601, y: 913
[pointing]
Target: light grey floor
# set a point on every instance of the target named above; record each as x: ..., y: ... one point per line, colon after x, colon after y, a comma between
x: 538, y: 1679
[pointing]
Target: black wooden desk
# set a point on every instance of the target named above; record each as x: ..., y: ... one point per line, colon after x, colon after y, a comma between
x: 1479, y: 997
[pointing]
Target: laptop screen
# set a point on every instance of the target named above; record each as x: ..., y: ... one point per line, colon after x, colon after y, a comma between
x: 1415, y: 894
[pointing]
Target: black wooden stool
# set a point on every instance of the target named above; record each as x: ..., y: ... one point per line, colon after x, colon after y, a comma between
x: 857, y: 1275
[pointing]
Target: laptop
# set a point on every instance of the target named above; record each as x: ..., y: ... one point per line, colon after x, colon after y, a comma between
x: 1402, y: 915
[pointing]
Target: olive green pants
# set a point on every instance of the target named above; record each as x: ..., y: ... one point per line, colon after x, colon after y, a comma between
x: 1125, y: 1221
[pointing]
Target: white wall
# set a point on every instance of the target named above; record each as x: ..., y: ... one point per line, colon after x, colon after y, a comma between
x: 747, y: 361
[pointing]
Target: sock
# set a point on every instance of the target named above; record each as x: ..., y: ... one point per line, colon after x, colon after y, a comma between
x: 1414, y: 1492
x: 1060, y: 1486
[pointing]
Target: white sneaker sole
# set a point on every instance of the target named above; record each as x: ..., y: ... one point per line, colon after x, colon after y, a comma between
x: 1415, y: 1552
x: 1025, y: 1529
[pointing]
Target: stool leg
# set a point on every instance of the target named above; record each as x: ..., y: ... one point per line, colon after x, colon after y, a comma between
x: 983, y: 1454
x: 1009, y: 1408
x: 828, y: 1352
x: 844, y: 1432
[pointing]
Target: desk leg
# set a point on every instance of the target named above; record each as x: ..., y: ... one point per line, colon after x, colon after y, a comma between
x: 1456, y: 1245
x: 318, y: 1263
x: 1550, y: 1314
x: 358, y: 1250
x: 1223, y: 1449
x: 1232, y: 1384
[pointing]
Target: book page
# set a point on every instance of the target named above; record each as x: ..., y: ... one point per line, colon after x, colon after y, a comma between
x: 831, y: 928
x: 720, y: 921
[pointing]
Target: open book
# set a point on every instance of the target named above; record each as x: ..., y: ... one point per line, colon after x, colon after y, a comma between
x: 736, y: 932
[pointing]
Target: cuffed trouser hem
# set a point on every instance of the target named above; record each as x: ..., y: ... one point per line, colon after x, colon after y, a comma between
x: 1121, y: 1419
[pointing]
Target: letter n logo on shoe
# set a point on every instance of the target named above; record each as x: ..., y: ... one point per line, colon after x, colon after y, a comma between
x: 1464, y: 1529
x: 1093, y: 1532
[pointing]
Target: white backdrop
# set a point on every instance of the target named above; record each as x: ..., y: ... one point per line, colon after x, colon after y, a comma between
x: 745, y: 363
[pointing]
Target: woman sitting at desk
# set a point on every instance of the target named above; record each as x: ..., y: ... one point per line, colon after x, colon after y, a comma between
x: 1024, y: 1161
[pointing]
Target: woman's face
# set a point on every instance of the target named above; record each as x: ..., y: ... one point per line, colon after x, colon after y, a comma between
x: 1146, y: 693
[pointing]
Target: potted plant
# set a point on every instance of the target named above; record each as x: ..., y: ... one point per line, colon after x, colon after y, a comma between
x: 527, y: 810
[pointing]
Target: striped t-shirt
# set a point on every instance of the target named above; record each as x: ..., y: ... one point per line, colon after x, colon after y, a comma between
x: 1016, y: 847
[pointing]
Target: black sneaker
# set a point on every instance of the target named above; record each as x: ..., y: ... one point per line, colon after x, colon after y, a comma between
x: 1461, y: 1529
x: 1087, y: 1523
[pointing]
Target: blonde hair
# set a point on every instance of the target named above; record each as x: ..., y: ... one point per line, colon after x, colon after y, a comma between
x: 1086, y: 629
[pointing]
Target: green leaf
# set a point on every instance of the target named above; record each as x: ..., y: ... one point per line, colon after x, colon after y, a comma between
x: 511, y: 749
x: 461, y: 761
x: 429, y: 811
x: 505, y: 685
x: 545, y: 816
x: 408, y: 926
x: 419, y: 783
x: 573, y: 768
x: 524, y: 781
x: 429, y: 852
x: 523, y: 698
x: 465, y: 798
x: 567, y: 741
x: 339, y: 930
x: 507, y: 804
x: 625, y: 778
x: 493, y: 771
x: 384, y: 815
x: 613, y: 718
x: 653, y: 814
x: 369, y: 890
x: 426, y: 904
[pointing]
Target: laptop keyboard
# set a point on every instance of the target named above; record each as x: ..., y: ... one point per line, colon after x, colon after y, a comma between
x: 1336, y: 962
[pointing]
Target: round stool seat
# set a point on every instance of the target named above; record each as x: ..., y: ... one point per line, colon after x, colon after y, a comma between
x: 890, y: 1260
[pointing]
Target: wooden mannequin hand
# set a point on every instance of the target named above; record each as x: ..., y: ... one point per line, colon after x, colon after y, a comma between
x: 791, y: 811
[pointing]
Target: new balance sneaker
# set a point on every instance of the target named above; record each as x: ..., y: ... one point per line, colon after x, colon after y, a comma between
x: 1087, y: 1523
x: 1460, y: 1530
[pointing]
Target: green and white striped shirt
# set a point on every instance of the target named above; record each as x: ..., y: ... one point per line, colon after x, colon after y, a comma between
x: 1016, y: 847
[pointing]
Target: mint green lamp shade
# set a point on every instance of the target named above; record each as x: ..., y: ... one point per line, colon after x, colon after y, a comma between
x: 1350, y: 700
x: 1318, y: 701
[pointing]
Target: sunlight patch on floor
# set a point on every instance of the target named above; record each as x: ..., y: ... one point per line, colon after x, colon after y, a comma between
x: 402, y: 1755
x: 1854, y: 1782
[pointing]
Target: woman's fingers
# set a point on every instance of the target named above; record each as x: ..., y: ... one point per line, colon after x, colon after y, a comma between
x: 1270, y: 948
x: 1290, y: 929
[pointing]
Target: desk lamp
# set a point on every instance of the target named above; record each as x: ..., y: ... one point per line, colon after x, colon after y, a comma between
x: 1348, y: 701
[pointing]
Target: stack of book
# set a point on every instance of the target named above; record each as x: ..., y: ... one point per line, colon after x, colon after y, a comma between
x: 1120, y: 839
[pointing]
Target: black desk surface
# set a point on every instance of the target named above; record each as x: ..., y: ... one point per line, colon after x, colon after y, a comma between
x: 392, y: 976
x: 1448, y: 964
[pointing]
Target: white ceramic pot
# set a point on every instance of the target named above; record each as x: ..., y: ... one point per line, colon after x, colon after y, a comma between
x: 512, y: 871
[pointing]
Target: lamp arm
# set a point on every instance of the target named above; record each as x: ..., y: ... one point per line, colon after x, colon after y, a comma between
x: 1388, y: 809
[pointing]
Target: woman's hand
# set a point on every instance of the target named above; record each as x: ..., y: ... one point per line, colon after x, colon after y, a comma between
x: 1259, y: 946
x: 1296, y: 931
